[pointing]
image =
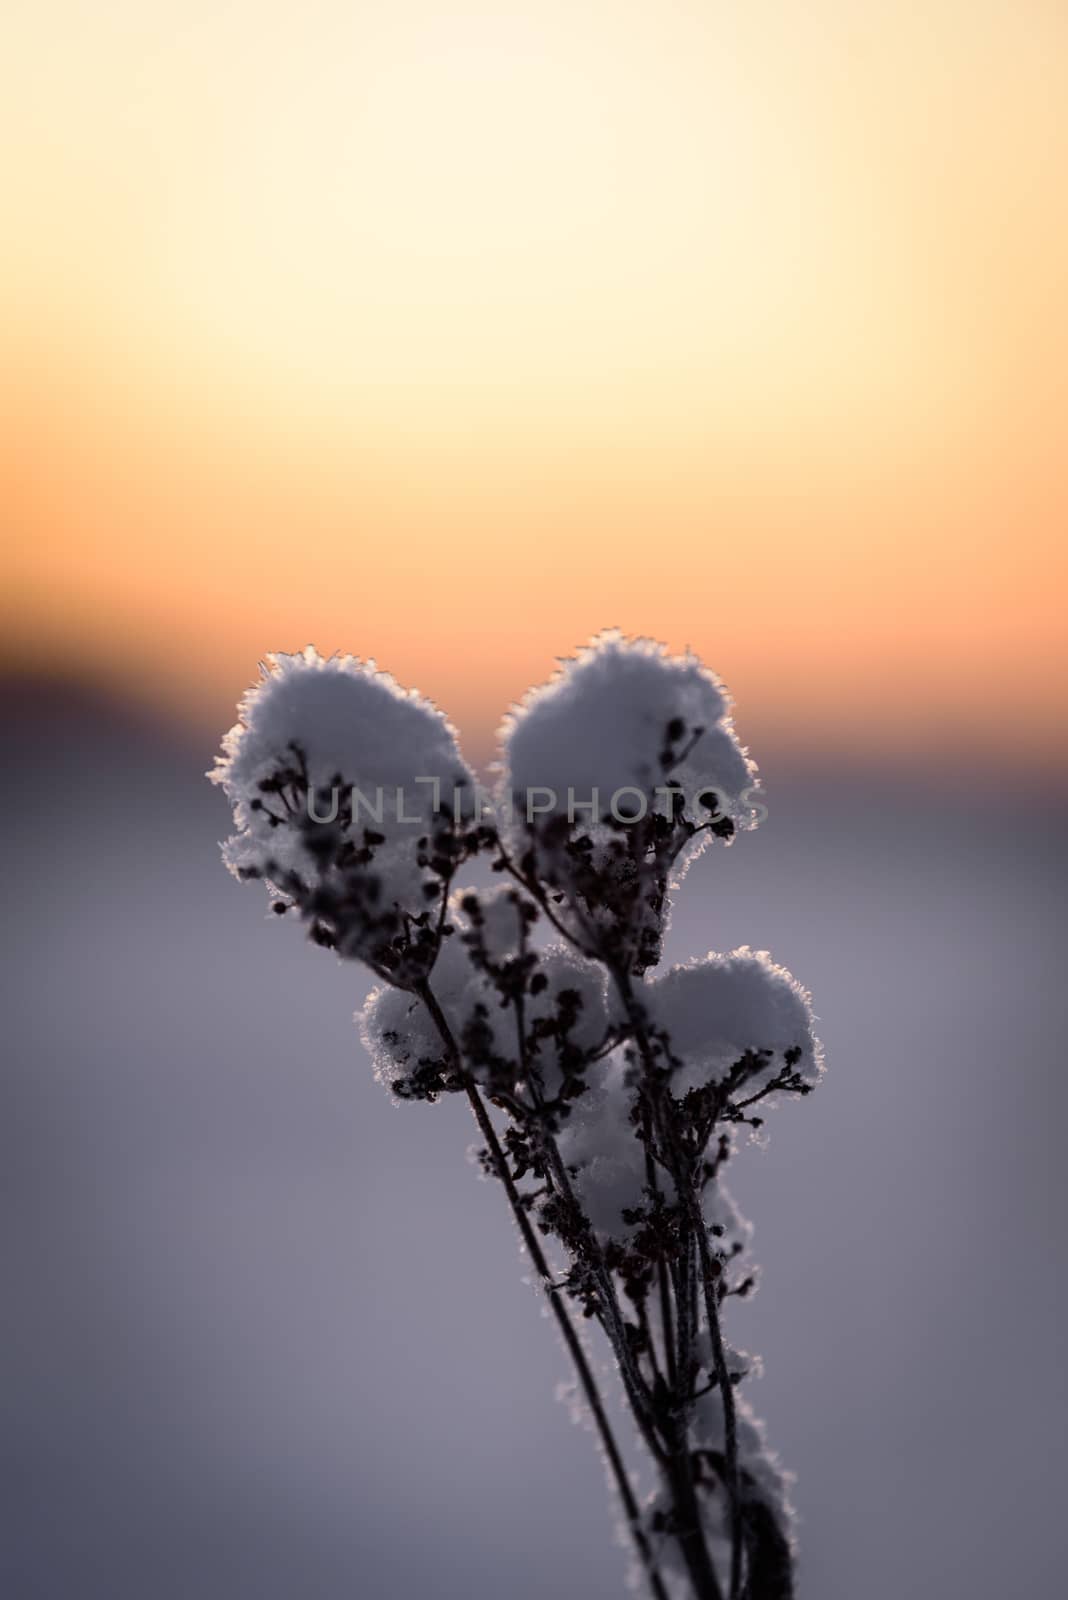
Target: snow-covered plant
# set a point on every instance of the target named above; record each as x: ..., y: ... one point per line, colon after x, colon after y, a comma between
x: 609, y: 1096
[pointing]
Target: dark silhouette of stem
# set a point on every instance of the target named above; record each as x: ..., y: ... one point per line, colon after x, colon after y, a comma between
x: 611, y: 1317
x: 683, y: 1181
x: 726, y: 1388
x: 663, y: 1276
x: 541, y: 1266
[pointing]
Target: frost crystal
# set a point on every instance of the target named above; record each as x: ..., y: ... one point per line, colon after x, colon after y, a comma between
x: 602, y: 1145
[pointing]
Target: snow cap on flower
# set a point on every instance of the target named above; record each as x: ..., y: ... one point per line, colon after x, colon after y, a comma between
x: 763, y: 1478
x: 768, y: 1516
x: 475, y: 980
x: 567, y: 1018
x: 601, y: 1147
x: 614, y: 775
x: 731, y: 1233
x: 711, y: 1012
x: 402, y: 1038
x: 625, y: 715
x: 495, y: 921
x: 346, y: 791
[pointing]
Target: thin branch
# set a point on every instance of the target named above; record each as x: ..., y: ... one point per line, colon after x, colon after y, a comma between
x: 560, y: 1311
x: 612, y: 1319
x: 688, y: 1198
x: 652, y: 1183
x: 719, y: 1364
x: 535, y: 890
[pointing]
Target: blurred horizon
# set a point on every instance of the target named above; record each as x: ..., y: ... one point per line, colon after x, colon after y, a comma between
x: 450, y: 336
x: 145, y: 719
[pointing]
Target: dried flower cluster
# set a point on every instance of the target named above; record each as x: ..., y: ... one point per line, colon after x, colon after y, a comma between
x: 618, y: 1091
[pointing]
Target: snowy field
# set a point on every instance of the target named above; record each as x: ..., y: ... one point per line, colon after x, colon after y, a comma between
x: 266, y: 1335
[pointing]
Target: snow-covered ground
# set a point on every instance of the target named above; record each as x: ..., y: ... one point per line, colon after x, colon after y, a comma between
x: 265, y: 1334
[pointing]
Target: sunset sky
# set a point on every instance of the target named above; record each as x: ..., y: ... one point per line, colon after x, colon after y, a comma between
x: 449, y: 334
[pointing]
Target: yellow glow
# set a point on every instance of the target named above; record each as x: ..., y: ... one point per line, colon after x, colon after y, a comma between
x: 391, y: 325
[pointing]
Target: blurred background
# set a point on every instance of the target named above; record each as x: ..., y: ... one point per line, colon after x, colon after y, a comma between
x: 447, y: 335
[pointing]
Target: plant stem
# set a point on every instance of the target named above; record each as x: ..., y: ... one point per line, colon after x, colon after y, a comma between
x: 682, y: 1178
x: 675, y: 1461
x: 689, y: 1532
x: 663, y: 1276
x: 726, y: 1388
x: 611, y: 1317
x: 567, y: 1329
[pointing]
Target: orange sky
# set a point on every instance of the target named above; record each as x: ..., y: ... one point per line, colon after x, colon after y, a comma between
x: 449, y: 334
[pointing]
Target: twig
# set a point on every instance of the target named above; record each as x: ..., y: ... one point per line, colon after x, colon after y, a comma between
x: 541, y: 1266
